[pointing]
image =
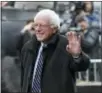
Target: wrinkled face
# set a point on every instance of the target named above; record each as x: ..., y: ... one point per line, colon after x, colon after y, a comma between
x: 43, y: 29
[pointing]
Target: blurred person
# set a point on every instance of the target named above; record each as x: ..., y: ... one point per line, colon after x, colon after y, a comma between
x: 28, y: 27
x: 3, y: 4
x: 7, y: 4
x: 90, y: 45
x: 65, y: 17
x: 85, y: 8
x: 88, y: 7
x: 78, y: 11
x: 26, y: 34
x: 49, y: 60
x: 90, y: 14
x: 60, y: 9
x: 89, y: 36
x: 11, y: 74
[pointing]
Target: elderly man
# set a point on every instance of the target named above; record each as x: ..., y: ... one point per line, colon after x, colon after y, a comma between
x: 49, y: 60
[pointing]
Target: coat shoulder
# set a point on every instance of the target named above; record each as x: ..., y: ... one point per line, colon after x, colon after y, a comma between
x: 29, y: 44
x: 63, y: 41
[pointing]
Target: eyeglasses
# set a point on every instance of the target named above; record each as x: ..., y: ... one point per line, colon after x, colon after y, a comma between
x: 41, y: 26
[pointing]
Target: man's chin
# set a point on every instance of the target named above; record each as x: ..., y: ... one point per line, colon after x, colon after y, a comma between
x: 40, y: 39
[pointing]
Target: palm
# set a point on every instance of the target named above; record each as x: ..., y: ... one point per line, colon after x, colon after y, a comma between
x: 73, y: 46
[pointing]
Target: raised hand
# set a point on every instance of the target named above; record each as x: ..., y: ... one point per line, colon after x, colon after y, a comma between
x: 74, y: 44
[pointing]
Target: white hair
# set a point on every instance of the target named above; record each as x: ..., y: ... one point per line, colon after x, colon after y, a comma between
x: 54, y: 18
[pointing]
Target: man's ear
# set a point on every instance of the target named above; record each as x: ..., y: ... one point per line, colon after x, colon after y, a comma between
x: 55, y: 29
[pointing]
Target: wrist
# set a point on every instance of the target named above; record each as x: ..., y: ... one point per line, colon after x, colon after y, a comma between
x: 76, y: 55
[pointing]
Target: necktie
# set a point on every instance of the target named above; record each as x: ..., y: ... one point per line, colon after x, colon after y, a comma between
x: 36, y: 84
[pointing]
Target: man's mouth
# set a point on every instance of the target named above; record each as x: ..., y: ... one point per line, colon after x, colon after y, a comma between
x: 40, y: 33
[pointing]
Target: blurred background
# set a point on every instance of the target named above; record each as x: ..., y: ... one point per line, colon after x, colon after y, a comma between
x: 84, y: 17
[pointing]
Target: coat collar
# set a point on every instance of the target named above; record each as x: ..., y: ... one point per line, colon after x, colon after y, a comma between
x: 34, y: 44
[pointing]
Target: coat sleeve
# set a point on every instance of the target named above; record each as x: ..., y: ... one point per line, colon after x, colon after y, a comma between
x: 79, y: 64
x: 22, y: 57
x: 20, y: 43
x: 22, y: 68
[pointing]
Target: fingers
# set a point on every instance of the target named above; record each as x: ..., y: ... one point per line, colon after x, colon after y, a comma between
x: 68, y: 36
x: 74, y: 40
x: 79, y: 38
x: 71, y: 36
x: 74, y: 36
x: 68, y: 47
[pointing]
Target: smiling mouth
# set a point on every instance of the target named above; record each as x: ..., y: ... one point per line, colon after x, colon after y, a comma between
x: 39, y: 34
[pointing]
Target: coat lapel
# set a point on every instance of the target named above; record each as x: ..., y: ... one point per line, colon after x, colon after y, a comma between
x: 31, y: 57
x: 59, y: 52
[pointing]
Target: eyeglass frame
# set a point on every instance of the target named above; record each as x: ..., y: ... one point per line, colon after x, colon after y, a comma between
x: 41, y: 26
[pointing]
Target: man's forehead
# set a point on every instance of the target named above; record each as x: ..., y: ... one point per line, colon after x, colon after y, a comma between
x: 42, y: 19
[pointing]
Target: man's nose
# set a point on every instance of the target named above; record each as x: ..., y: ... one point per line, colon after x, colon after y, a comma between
x: 38, y: 28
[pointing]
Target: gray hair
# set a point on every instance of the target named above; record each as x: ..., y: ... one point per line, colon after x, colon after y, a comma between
x: 54, y: 18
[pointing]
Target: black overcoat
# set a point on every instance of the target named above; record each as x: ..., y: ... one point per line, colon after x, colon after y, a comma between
x: 59, y: 75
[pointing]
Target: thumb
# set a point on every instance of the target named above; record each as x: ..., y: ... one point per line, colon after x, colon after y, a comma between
x: 79, y: 38
x: 68, y: 47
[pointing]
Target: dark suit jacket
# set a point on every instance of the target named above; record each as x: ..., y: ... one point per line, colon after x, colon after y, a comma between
x: 59, y: 74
